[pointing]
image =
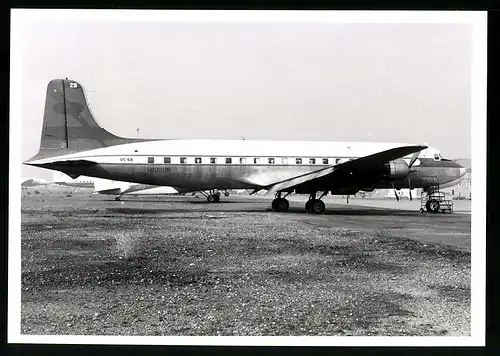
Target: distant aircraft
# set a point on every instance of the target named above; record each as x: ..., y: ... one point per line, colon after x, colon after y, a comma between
x: 401, y: 194
x: 111, y: 187
x: 60, y: 178
x: 32, y: 182
x: 72, y: 142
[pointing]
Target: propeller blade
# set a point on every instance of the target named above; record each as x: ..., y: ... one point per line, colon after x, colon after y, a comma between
x: 395, y: 192
x: 409, y: 188
x: 413, y: 159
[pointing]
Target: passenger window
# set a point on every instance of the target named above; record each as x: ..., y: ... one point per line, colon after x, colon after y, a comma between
x: 298, y: 160
x: 256, y: 160
x: 197, y: 160
x: 183, y: 159
x: 212, y: 160
x: 271, y: 160
x: 228, y: 160
x: 151, y: 160
x: 312, y: 160
x: 243, y: 160
x: 166, y: 160
x: 325, y: 160
x: 337, y: 160
x: 285, y: 160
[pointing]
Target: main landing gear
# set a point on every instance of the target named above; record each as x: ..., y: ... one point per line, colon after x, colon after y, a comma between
x: 212, y: 197
x: 313, y: 205
x: 118, y: 198
x: 279, y: 203
x: 316, y: 206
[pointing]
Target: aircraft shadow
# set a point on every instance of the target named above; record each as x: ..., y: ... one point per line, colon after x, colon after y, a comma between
x: 196, y: 202
x: 291, y: 211
x: 356, y: 211
x: 245, y: 205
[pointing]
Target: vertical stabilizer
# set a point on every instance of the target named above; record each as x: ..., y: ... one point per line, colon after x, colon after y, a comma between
x: 68, y: 124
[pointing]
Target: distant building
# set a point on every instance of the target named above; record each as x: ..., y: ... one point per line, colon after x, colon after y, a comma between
x: 462, y: 190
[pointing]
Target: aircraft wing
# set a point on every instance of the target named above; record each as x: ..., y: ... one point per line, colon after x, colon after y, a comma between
x: 366, y: 162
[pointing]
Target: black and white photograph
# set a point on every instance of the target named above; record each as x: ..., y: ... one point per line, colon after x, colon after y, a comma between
x: 247, y: 177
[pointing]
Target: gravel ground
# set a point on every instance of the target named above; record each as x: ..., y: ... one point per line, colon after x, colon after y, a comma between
x: 89, y: 268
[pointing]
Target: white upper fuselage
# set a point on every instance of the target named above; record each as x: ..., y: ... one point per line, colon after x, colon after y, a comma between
x: 228, y: 164
x: 235, y: 148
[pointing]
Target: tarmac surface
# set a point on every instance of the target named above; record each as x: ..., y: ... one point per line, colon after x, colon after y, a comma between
x: 177, y: 265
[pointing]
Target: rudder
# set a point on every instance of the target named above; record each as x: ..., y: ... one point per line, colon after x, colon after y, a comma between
x: 68, y: 124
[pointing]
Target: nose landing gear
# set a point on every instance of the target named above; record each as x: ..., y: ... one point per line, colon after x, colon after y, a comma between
x: 435, y: 201
x: 432, y: 206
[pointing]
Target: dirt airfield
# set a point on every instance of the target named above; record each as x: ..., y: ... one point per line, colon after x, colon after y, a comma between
x: 181, y: 266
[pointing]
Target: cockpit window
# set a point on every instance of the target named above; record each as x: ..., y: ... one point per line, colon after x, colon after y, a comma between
x: 436, y: 157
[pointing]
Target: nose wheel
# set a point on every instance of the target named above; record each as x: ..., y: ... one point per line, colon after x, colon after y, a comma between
x: 432, y: 206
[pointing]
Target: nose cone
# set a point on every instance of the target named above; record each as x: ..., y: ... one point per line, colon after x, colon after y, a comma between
x: 462, y: 171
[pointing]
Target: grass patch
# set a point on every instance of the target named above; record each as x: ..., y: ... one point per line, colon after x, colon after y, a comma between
x: 126, y: 245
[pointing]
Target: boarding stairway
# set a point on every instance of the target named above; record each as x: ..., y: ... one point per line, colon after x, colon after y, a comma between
x: 435, y: 201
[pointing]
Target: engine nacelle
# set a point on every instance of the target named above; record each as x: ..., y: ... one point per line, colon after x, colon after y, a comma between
x: 367, y: 189
x: 397, y: 169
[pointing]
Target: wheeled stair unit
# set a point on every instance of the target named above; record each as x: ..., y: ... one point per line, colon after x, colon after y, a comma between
x: 434, y: 201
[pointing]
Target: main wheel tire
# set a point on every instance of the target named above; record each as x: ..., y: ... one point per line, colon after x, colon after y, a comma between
x: 427, y: 206
x: 318, y: 207
x: 434, y: 206
x: 274, y: 205
x: 217, y: 198
x: 283, y: 204
x: 210, y: 198
x: 226, y: 194
x: 308, y: 206
x: 280, y: 204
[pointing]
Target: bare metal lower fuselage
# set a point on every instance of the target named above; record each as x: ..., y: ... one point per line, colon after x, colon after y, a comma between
x: 192, y: 177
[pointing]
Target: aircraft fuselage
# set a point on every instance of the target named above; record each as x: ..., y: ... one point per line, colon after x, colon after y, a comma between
x: 223, y: 164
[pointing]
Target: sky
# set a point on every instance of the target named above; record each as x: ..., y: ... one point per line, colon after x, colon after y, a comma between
x: 311, y: 81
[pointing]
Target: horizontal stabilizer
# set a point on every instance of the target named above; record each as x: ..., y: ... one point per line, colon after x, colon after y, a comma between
x: 67, y: 167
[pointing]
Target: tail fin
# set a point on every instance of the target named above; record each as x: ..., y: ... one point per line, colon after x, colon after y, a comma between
x: 68, y: 124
